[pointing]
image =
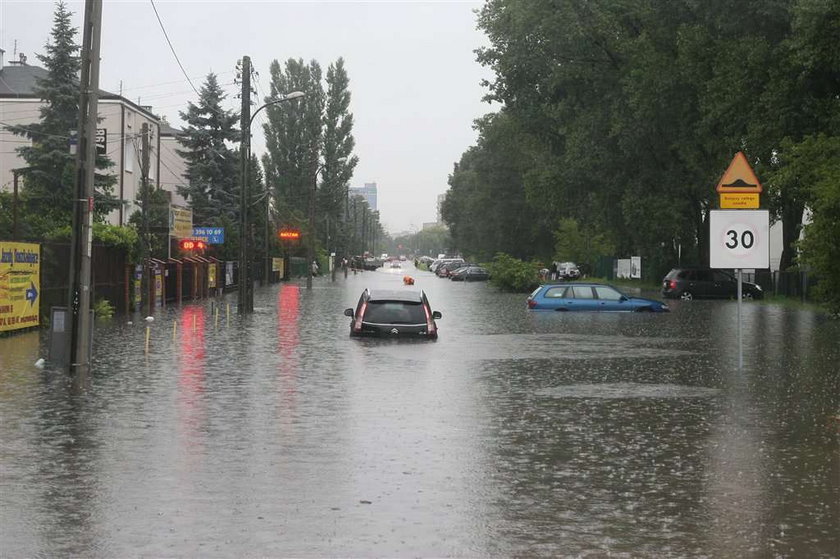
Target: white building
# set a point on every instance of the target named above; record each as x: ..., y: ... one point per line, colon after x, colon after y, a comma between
x: 122, y: 121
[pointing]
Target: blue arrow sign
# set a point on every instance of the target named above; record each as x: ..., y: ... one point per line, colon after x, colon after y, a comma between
x: 31, y: 293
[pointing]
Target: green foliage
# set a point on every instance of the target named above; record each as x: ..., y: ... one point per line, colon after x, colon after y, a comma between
x: 124, y: 238
x: 49, y: 177
x: 103, y: 309
x: 486, y: 207
x: 338, y: 159
x: 212, y: 167
x: 820, y: 247
x: 158, y: 218
x: 293, y: 135
x: 622, y: 115
x: 511, y: 274
x: 582, y: 247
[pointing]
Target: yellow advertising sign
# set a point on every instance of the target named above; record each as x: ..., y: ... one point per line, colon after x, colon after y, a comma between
x: 20, y: 286
x: 738, y: 201
x: 211, y: 276
x: 180, y: 222
x: 158, y: 288
x: 277, y: 266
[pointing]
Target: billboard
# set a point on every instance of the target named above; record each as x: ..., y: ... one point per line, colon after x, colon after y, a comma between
x: 180, y: 222
x: 20, y: 285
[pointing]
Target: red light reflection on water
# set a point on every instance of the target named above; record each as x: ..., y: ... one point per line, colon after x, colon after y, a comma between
x: 288, y: 339
x: 191, y: 379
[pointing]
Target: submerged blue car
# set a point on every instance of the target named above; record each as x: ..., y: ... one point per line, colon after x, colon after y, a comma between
x: 589, y: 297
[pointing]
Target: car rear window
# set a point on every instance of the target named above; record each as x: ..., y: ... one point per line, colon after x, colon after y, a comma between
x: 395, y: 312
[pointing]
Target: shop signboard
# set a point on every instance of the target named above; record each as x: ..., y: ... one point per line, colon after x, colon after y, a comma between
x: 20, y: 286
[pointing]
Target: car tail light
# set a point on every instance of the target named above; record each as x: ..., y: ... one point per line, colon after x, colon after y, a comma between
x: 430, y: 326
x: 672, y: 284
x: 531, y: 303
x: 357, y: 327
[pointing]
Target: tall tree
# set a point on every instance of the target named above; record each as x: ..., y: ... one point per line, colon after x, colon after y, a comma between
x: 338, y: 159
x: 212, y: 174
x: 50, y: 173
x: 293, y: 137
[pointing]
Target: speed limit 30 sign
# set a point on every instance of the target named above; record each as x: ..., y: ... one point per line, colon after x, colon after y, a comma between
x: 739, y: 239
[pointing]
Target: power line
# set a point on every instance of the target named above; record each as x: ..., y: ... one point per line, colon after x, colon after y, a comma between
x: 162, y: 28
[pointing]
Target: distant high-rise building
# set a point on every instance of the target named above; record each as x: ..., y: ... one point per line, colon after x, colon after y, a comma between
x: 368, y: 192
x: 440, y: 199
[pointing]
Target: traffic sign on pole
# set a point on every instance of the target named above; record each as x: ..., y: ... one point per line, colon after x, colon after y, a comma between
x: 739, y: 239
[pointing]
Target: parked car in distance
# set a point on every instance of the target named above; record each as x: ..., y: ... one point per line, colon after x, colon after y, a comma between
x: 470, y: 273
x: 433, y: 267
x: 589, y: 297
x: 568, y: 271
x: 447, y: 268
x: 393, y: 313
x: 705, y: 283
x: 396, y: 264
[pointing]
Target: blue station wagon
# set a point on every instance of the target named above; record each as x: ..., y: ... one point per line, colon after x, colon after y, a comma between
x: 589, y: 297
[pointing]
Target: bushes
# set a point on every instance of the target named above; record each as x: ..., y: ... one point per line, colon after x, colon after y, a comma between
x: 511, y: 274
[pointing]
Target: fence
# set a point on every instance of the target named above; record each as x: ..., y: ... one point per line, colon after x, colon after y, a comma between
x: 109, y: 276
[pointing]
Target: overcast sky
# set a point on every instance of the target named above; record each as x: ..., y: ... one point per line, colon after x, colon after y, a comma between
x: 413, y: 77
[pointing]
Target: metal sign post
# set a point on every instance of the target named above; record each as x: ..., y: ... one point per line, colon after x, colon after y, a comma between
x: 739, y: 237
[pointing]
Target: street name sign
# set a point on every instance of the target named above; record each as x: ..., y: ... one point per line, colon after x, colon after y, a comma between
x: 739, y: 239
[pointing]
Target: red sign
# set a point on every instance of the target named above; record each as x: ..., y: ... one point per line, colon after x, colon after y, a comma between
x: 192, y: 244
x: 289, y: 234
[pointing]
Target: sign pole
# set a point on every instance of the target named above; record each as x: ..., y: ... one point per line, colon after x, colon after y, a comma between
x: 740, y: 326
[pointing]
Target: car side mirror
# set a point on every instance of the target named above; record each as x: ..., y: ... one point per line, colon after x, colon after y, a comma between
x: 348, y: 312
x: 623, y: 298
x: 436, y: 315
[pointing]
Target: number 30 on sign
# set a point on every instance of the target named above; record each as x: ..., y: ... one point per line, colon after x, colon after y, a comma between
x: 739, y: 239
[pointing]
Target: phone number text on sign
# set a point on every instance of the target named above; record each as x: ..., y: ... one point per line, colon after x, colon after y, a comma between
x: 739, y: 239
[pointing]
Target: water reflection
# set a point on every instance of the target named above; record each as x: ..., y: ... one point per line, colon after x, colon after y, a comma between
x: 191, y: 381
x: 515, y: 434
x: 288, y: 338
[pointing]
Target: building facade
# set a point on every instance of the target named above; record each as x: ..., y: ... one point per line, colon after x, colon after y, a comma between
x: 121, y: 122
x: 368, y: 192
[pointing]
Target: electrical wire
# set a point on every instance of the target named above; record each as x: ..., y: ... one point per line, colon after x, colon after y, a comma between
x: 162, y: 28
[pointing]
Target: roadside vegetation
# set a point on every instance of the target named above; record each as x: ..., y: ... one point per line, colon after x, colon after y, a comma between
x: 617, y: 120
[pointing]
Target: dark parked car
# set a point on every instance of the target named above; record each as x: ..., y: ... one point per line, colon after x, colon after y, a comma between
x: 589, y: 297
x: 470, y: 273
x: 705, y: 283
x: 393, y: 313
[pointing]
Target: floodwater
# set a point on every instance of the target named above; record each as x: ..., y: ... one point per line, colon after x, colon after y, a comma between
x: 515, y: 434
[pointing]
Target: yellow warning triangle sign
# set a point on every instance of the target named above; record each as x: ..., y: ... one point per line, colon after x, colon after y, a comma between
x: 739, y: 177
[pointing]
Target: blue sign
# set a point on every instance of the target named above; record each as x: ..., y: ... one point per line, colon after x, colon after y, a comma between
x: 211, y: 235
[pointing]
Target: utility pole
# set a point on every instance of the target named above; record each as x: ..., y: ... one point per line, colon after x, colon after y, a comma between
x: 78, y: 297
x: 144, y: 197
x: 15, y: 175
x: 267, y: 240
x: 246, y: 287
x: 310, y: 245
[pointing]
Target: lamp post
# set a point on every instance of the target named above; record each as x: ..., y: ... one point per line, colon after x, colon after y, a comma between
x: 246, y: 285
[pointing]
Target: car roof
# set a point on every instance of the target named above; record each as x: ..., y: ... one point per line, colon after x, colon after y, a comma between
x: 579, y: 284
x: 411, y: 295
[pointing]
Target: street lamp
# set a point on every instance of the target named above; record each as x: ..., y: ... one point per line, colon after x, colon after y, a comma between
x: 246, y: 284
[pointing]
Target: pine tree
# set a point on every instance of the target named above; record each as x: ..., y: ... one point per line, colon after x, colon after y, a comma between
x: 212, y: 167
x: 50, y: 173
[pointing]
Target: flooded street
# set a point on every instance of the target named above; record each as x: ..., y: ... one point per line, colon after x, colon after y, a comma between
x: 515, y: 434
